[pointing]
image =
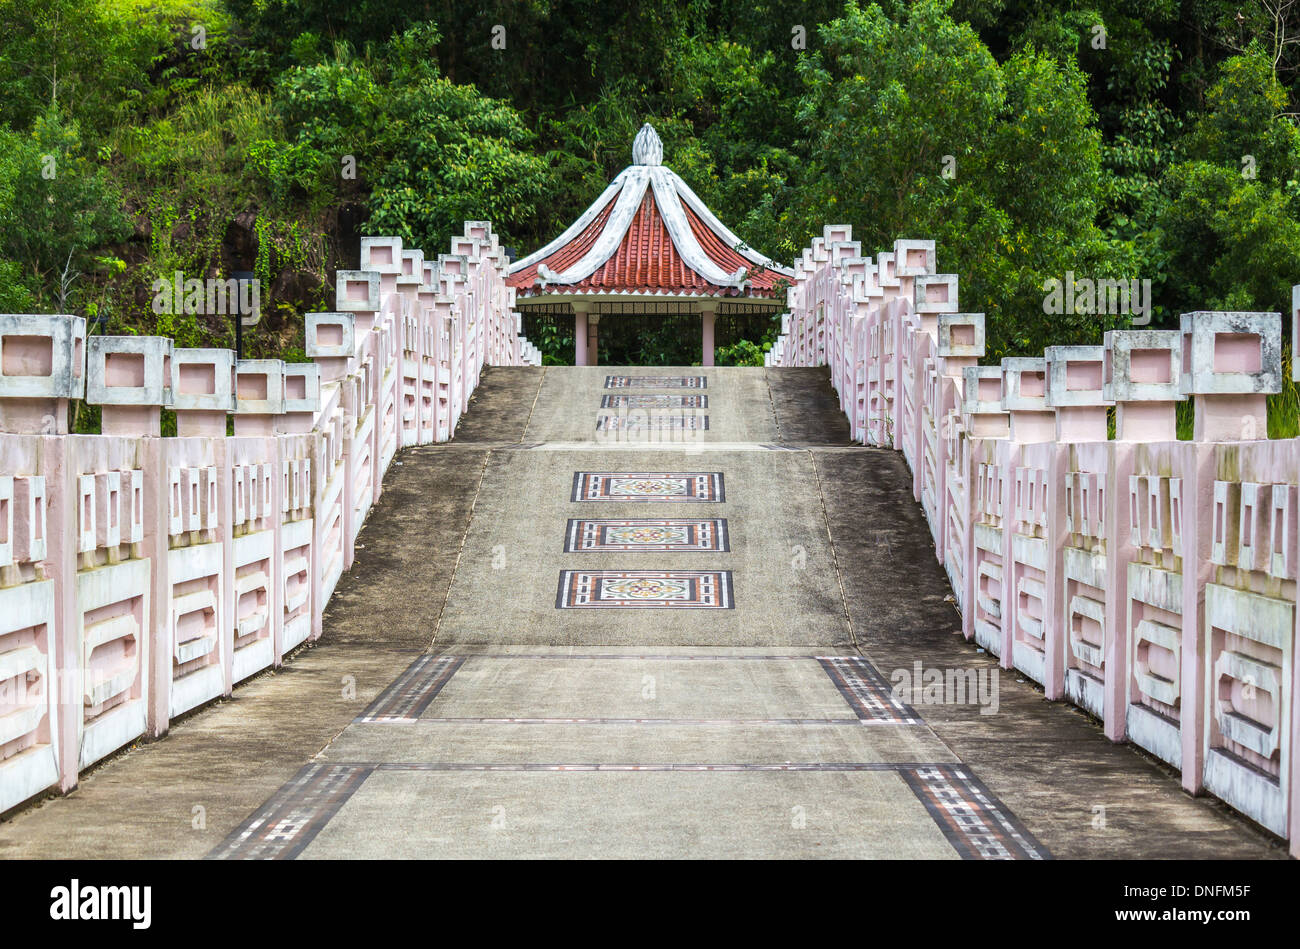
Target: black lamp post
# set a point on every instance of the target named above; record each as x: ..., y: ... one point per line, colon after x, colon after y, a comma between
x: 240, y: 276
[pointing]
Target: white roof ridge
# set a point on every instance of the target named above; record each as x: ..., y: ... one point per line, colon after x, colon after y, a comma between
x: 627, y: 190
x: 578, y: 226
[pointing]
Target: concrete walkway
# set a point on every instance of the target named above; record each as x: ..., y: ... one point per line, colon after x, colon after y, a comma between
x: 671, y: 633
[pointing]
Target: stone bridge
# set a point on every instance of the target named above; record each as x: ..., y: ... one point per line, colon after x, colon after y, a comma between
x: 428, y: 600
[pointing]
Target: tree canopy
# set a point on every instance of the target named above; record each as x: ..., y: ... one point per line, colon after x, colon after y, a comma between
x: 1029, y: 138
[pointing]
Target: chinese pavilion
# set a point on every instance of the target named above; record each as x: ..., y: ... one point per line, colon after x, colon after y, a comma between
x: 647, y: 246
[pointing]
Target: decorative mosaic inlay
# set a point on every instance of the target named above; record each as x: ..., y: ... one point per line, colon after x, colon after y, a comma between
x: 645, y: 534
x: 644, y: 589
x: 976, y: 823
x: 867, y: 691
x: 283, y: 826
x: 677, y: 486
x: 655, y: 401
x: 412, y: 691
x: 656, y: 382
x: 659, y: 423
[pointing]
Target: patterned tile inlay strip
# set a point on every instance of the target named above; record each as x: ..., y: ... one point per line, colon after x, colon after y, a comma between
x: 656, y: 382
x: 866, y: 690
x: 644, y: 589
x: 668, y: 534
x: 283, y: 827
x: 652, y: 423
x: 670, y: 486
x: 977, y: 824
x: 654, y: 401
x: 412, y: 691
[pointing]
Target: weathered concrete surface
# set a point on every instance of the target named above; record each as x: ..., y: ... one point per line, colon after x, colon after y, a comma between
x: 1080, y: 794
x: 786, y: 588
x: 501, y: 405
x: 631, y: 816
x: 739, y: 406
x: 229, y: 757
x: 806, y: 408
x: 407, y: 551
x: 712, y: 739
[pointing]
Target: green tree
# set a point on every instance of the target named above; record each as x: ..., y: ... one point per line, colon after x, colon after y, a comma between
x: 917, y: 131
x: 55, y: 204
x: 431, y: 152
x: 1231, y: 227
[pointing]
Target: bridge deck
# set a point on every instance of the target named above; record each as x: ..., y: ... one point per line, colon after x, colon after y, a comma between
x: 465, y: 700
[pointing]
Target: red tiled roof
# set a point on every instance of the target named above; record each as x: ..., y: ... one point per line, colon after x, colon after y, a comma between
x: 646, y: 261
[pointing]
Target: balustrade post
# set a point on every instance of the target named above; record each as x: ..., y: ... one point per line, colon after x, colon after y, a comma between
x: 42, y: 368
x: 129, y: 377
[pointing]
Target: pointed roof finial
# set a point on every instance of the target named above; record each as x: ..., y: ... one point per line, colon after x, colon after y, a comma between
x: 647, y: 149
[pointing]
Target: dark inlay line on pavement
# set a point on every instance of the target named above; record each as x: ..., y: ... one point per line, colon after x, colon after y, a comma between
x: 971, y: 818
x: 412, y: 691
x: 292, y: 817
x: 654, y: 766
x: 975, y: 822
x: 624, y: 655
x: 866, y: 690
x: 644, y: 721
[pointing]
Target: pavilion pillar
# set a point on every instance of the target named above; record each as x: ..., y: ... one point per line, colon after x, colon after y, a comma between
x: 593, y: 350
x: 580, y: 333
x: 708, y: 314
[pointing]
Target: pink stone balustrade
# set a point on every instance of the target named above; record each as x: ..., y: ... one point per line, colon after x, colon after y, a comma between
x: 1149, y: 581
x: 140, y: 576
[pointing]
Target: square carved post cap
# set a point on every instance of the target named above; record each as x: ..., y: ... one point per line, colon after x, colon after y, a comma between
x: 832, y: 233
x: 413, y: 264
x: 961, y: 335
x: 471, y: 248
x: 886, y: 270
x: 982, y: 390
x: 981, y: 405
x: 864, y: 282
x: 42, y: 356
x: 913, y: 258
x: 259, y: 387
x: 129, y: 370
x: 203, y: 380
x: 357, y: 291
x: 479, y: 229
x: 1143, y: 366
x: 844, y: 251
x: 330, y: 335
x: 935, y: 293
x: 1075, y: 375
x: 454, y: 264
x: 1231, y: 353
x: 381, y: 255
x: 1024, y: 384
x: 301, y: 387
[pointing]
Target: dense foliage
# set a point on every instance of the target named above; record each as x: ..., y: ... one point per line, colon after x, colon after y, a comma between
x: 1031, y: 138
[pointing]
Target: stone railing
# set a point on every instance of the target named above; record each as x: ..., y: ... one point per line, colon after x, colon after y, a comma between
x: 141, y: 576
x: 1148, y: 580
